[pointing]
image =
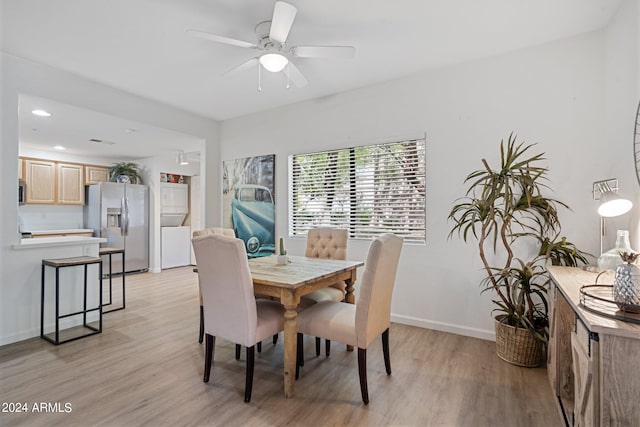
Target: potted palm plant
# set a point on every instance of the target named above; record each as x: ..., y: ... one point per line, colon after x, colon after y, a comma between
x: 501, y: 208
x: 125, y: 172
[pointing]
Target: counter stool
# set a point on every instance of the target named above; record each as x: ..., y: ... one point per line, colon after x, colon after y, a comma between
x: 110, y: 252
x: 71, y: 262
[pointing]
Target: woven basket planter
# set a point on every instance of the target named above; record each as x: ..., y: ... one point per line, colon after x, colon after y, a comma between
x: 516, y: 345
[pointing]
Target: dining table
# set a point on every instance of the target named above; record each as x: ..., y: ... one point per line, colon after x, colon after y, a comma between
x: 290, y: 281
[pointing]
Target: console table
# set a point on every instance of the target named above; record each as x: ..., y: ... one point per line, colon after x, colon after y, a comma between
x: 593, y: 361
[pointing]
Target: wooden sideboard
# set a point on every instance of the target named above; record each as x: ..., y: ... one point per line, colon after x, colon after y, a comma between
x: 593, y: 361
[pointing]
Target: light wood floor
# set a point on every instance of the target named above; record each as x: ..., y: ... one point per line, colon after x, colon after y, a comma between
x: 146, y: 369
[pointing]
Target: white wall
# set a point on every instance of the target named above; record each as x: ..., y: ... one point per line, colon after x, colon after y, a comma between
x: 621, y: 101
x: 551, y: 94
x: 19, y: 278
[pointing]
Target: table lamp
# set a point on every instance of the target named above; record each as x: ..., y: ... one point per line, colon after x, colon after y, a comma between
x: 611, y: 205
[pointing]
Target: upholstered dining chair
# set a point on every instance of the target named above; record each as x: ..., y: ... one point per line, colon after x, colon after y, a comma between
x: 231, y: 310
x: 326, y: 243
x: 224, y: 232
x: 208, y: 231
x: 358, y: 325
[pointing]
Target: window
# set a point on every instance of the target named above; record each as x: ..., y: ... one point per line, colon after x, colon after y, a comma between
x: 369, y: 190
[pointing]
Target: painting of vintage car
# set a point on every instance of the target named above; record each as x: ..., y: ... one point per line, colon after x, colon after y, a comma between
x: 252, y: 216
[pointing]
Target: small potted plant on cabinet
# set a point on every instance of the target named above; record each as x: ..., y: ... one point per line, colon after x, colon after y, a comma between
x: 502, y: 207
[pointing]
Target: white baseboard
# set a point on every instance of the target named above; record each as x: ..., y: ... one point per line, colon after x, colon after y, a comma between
x: 35, y: 332
x: 20, y: 336
x: 405, y: 320
x: 445, y: 327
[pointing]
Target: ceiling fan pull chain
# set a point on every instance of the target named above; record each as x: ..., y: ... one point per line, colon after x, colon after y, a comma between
x: 288, y: 74
x: 259, y: 78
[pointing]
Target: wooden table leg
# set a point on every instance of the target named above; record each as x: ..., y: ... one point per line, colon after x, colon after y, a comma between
x: 349, y: 297
x: 290, y: 342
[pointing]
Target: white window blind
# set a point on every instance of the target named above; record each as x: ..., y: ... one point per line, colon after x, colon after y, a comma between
x: 369, y: 190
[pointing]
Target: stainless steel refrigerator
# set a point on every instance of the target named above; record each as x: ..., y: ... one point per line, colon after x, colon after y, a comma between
x: 120, y: 213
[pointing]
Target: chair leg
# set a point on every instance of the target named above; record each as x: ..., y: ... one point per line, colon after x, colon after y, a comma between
x: 327, y: 347
x: 249, y: 377
x: 299, y: 354
x: 317, y: 346
x: 259, y: 346
x: 385, y: 351
x: 301, y: 361
x: 362, y: 371
x: 201, y: 334
x: 208, y: 356
x: 275, y: 339
x: 238, y: 348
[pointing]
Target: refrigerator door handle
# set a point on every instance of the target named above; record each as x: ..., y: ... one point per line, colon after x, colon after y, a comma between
x: 125, y: 217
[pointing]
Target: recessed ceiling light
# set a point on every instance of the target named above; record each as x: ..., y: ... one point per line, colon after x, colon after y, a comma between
x: 100, y: 141
x: 41, y: 113
x: 59, y: 147
x: 129, y: 130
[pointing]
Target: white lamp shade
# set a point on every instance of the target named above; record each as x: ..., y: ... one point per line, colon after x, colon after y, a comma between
x: 273, y: 62
x: 611, y: 205
x: 182, y: 158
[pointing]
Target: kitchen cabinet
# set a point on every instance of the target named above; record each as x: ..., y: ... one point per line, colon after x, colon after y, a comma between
x: 70, y: 184
x: 593, y: 359
x: 95, y: 174
x: 20, y: 169
x: 40, y: 179
x: 49, y: 182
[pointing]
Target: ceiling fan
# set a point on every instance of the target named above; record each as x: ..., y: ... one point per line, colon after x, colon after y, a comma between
x: 273, y: 52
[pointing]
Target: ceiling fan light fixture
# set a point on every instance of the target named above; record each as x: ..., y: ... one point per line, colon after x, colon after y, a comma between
x: 274, y: 62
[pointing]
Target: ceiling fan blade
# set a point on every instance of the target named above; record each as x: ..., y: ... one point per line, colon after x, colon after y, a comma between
x: 242, y: 67
x: 283, y: 15
x: 341, y: 52
x: 221, y: 39
x: 296, y: 76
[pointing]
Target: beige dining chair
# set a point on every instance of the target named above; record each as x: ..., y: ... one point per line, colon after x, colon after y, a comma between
x: 205, y: 232
x: 326, y: 243
x: 224, y: 232
x: 358, y: 325
x: 231, y: 310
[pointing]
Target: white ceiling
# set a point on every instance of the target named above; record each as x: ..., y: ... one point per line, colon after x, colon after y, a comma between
x: 141, y: 46
x: 73, y: 128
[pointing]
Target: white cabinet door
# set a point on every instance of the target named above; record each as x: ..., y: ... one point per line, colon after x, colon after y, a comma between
x: 175, y: 246
x: 174, y: 198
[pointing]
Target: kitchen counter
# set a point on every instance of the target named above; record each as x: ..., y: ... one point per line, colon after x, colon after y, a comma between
x: 58, y: 241
x: 67, y: 231
x: 24, y: 285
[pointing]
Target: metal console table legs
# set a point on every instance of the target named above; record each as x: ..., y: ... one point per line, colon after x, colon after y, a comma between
x: 84, y: 261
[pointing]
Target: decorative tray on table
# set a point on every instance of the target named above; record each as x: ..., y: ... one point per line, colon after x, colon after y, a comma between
x: 598, y: 299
